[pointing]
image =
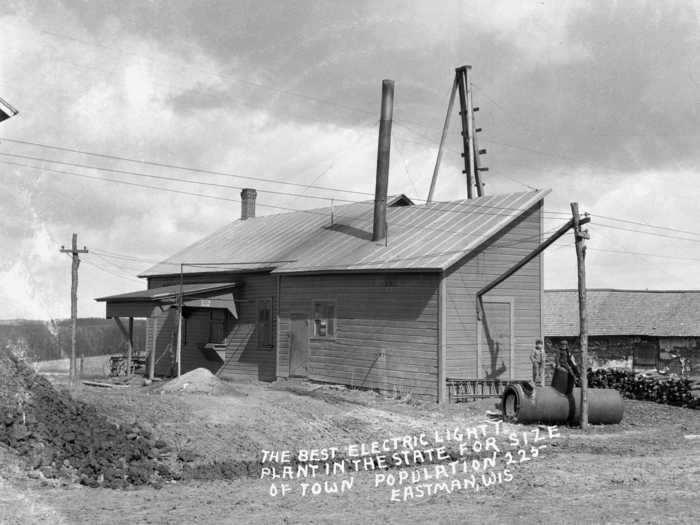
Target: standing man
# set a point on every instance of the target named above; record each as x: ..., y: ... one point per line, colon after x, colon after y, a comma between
x: 537, y: 358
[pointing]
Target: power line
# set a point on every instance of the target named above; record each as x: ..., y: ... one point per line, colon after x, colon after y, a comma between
x: 159, y: 188
x: 625, y: 252
x: 627, y: 221
x: 162, y: 177
x: 95, y: 265
x: 479, y: 210
x: 409, y: 226
x: 673, y: 237
x: 175, y: 166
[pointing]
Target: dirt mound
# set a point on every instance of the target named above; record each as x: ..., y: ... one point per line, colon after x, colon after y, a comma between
x: 200, y: 381
x: 65, y: 438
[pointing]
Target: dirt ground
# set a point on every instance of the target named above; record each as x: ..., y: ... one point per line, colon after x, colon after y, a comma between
x: 644, y: 470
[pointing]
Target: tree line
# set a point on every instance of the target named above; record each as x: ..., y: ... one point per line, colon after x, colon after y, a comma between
x: 46, y: 340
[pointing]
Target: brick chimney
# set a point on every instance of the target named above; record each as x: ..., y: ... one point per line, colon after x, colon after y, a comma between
x: 248, y: 203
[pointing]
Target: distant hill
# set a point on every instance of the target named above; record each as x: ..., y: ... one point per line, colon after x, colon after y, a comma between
x: 43, y: 340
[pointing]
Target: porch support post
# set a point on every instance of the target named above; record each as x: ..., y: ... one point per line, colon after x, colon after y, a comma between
x: 152, y: 365
x: 130, y: 347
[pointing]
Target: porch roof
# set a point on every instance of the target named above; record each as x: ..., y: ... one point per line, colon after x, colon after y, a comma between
x: 141, y: 303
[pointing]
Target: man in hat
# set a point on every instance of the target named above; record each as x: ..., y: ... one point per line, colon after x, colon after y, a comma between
x: 565, y: 359
x: 537, y: 360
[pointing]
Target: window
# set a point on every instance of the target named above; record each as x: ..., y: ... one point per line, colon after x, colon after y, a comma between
x: 264, y: 323
x: 324, y: 319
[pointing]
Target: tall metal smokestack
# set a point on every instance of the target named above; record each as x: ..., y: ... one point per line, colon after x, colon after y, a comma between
x: 383, y: 150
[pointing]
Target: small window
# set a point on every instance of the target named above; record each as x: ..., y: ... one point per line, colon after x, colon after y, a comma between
x: 264, y: 323
x: 324, y: 319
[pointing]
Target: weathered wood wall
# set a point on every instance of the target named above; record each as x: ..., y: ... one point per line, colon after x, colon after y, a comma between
x: 244, y: 359
x: 523, y: 288
x: 386, y: 329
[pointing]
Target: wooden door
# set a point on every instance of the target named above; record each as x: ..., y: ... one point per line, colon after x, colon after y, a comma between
x: 496, y: 342
x: 298, y: 345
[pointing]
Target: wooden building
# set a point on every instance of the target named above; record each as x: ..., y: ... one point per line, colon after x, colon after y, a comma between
x: 309, y: 294
x: 629, y: 328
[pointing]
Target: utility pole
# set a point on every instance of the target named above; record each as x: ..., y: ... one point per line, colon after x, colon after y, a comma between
x: 74, y: 252
x: 581, y: 236
x: 470, y: 146
x: 467, y: 125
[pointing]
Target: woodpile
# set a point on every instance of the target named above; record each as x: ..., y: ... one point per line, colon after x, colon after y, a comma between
x: 671, y: 390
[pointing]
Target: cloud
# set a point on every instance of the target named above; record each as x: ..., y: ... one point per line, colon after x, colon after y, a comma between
x: 597, y: 101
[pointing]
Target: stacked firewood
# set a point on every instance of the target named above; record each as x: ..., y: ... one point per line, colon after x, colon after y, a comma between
x: 660, y: 388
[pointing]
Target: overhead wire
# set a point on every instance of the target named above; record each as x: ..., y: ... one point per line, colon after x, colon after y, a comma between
x: 176, y: 167
x: 115, y: 274
x: 162, y: 177
x: 655, y: 234
x: 482, y: 209
x: 627, y: 252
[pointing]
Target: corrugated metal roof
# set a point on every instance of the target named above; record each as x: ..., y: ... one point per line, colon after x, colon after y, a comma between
x: 428, y: 237
x: 167, y: 292
x: 624, y: 312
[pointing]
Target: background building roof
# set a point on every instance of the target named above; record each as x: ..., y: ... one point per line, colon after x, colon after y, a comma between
x: 426, y: 237
x: 663, y: 313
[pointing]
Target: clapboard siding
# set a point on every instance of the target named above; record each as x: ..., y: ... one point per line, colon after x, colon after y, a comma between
x: 242, y: 352
x: 164, y: 340
x: 244, y: 359
x: 523, y: 288
x: 386, y: 329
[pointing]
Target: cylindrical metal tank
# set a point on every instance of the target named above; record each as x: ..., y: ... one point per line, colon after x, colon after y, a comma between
x: 605, y: 406
x: 548, y: 405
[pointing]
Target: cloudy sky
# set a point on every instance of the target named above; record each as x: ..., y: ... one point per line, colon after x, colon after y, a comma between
x: 596, y: 100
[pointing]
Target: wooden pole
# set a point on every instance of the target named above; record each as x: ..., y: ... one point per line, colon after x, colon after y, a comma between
x: 473, y: 176
x: 178, y: 353
x: 581, y: 236
x: 152, y: 365
x: 130, y: 346
x: 466, y: 142
x: 443, y: 138
x: 72, y: 373
x: 476, y: 152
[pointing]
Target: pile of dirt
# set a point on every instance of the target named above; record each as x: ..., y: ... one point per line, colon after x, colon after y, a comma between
x: 200, y: 381
x: 64, y: 438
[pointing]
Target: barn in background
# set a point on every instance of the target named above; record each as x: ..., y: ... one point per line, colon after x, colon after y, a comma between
x: 629, y: 328
x: 310, y: 294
